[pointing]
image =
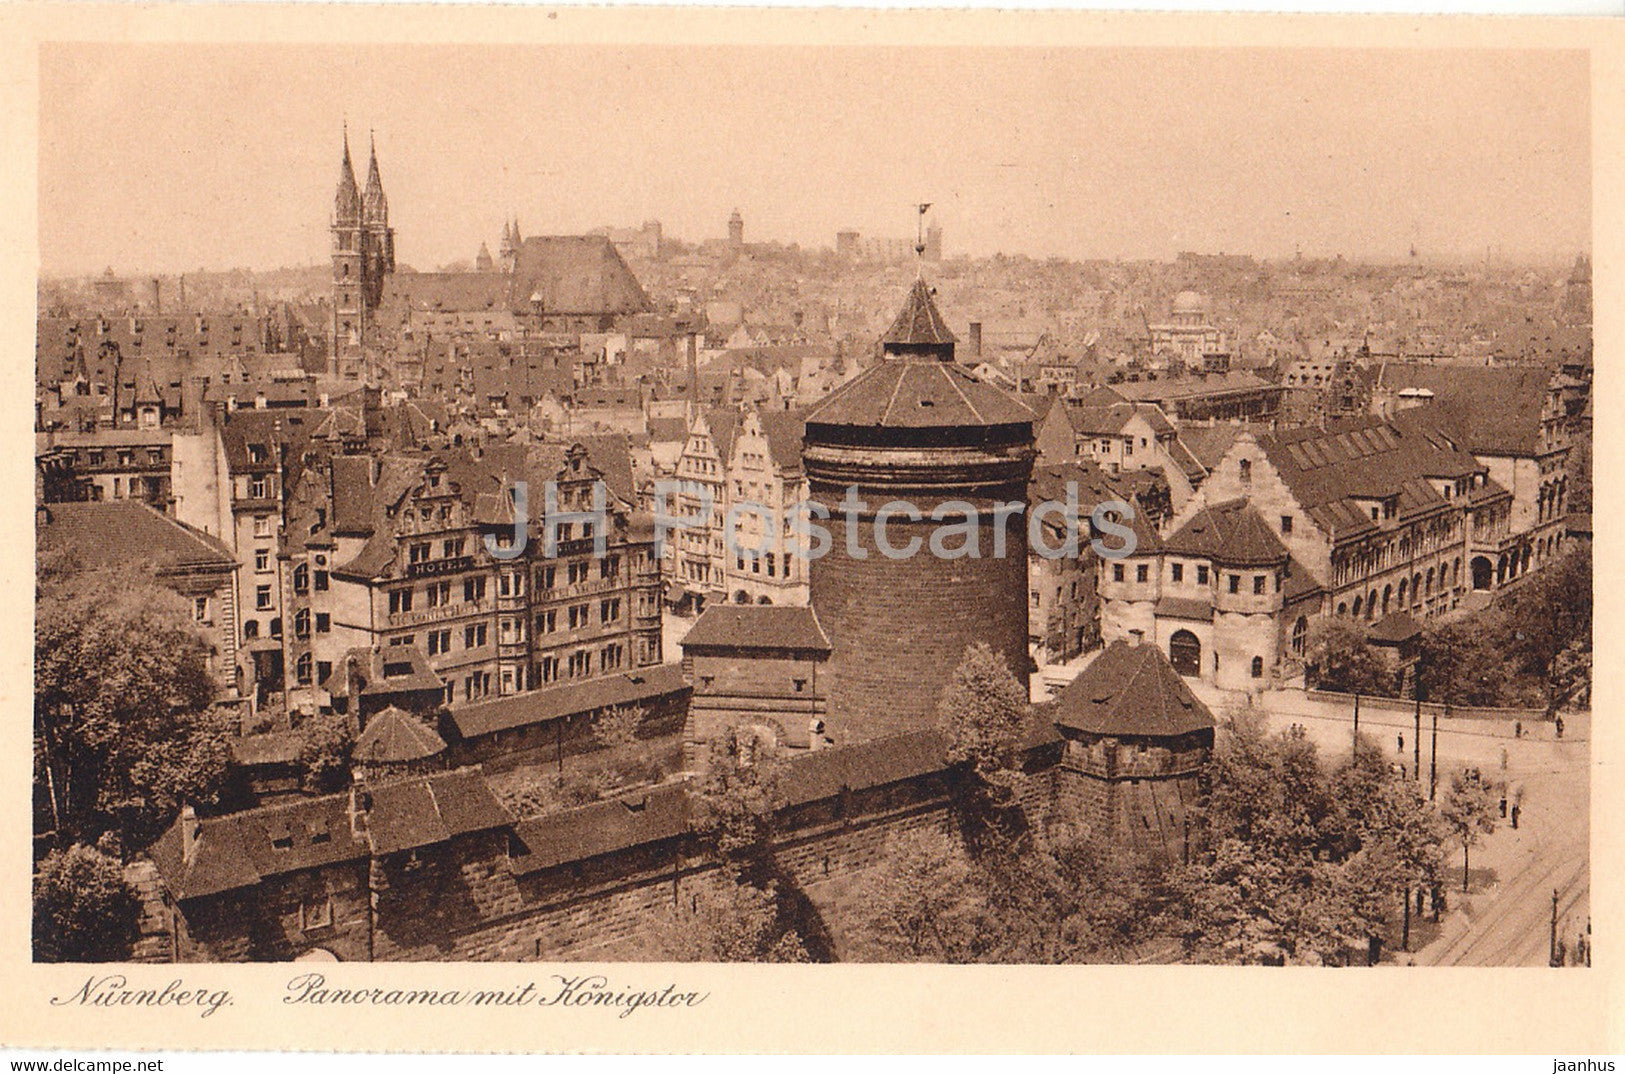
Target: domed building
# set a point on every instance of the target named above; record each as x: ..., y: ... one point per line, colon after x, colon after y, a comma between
x: 901, y: 601
x: 1188, y: 335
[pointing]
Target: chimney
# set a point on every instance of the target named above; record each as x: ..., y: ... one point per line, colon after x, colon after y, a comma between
x: 976, y: 340
x: 190, y: 829
x: 157, y: 296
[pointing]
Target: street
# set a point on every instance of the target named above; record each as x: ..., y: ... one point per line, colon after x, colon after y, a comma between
x: 1505, y: 919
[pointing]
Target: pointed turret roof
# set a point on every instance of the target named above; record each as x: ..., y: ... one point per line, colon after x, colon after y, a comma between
x: 146, y: 386
x: 1131, y: 691
x: 373, y: 200
x: 918, y: 323
x: 347, y: 200
x: 395, y: 737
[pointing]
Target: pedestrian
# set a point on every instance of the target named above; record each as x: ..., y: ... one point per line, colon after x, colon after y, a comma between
x: 1515, y: 816
x: 1560, y: 727
x: 1401, y: 743
x: 1503, y: 758
x: 1503, y: 803
x: 1517, y: 728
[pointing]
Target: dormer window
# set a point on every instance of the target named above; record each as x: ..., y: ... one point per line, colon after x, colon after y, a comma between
x: 1246, y: 471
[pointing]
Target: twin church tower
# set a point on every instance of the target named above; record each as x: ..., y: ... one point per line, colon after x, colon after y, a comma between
x: 363, y: 254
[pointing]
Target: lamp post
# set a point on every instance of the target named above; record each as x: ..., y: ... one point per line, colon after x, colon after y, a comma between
x: 1433, y: 760
x: 1552, y: 959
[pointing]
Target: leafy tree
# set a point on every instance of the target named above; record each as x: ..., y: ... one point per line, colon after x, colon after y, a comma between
x: 1296, y: 864
x: 1551, y: 614
x: 1470, y: 811
x: 1464, y: 660
x: 122, y: 704
x: 738, y: 798
x: 325, y: 740
x: 618, y: 725
x: 1340, y: 658
x: 84, y: 910
x: 984, y: 714
x: 734, y: 922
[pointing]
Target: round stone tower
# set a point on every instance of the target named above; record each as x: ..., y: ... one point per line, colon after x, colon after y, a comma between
x: 901, y: 601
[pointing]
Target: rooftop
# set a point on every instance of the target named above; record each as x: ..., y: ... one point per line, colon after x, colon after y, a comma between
x: 1131, y: 691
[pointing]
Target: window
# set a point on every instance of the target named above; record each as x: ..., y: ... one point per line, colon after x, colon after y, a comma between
x: 262, y: 597
x: 301, y: 578
x: 547, y: 622
x: 400, y: 600
x: 302, y: 668
x: 1201, y: 574
x: 1286, y: 524
x: 1178, y: 570
x: 258, y: 488
x: 473, y: 589
x: 610, y: 567
x: 1258, y: 667
x: 200, y: 609
x: 451, y: 547
x: 439, y: 642
x: 321, y: 582
x: 262, y: 525
x: 544, y: 580
x: 418, y: 553
x: 1258, y: 584
x: 474, y: 635
x: 1235, y: 583
x: 324, y: 669
x: 1117, y: 572
x: 1142, y: 572
x: 439, y: 594
x: 316, y: 915
x: 301, y: 623
x: 262, y: 560
x: 324, y: 623
x: 1246, y: 471
x: 609, y: 610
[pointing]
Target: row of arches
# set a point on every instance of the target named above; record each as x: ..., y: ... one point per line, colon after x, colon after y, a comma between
x: 1411, y: 591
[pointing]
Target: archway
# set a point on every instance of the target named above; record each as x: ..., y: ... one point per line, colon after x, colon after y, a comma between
x: 1501, y: 570
x: 1300, y: 633
x: 1404, y: 588
x: 1483, y: 572
x: 1388, y: 595
x: 1185, y: 653
x: 1357, y: 607
x: 764, y: 600
x: 741, y: 597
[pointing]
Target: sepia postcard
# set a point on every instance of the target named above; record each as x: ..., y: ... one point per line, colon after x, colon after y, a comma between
x: 672, y: 530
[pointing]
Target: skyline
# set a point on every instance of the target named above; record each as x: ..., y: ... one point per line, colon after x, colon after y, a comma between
x: 1074, y: 153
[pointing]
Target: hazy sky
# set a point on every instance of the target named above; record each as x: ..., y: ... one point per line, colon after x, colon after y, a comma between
x: 164, y: 158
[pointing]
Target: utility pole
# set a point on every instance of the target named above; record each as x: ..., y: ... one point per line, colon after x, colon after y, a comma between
x: 1552, y: 960
x: 1355, y: 747
x: 1416, y: 690
x: 1433, y: 760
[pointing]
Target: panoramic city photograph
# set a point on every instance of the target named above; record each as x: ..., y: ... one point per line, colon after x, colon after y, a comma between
x: 703, y: 504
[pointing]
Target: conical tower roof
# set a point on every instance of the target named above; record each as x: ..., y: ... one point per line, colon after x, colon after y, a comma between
x: 919, y: 324
x: 347, y: 199
x: 396, y: 737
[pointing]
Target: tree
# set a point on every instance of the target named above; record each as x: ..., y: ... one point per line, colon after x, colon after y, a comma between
x: 738, y: 798
x: 84, y: 910
x: 1295, y: 863
x: 1551, y: 619
x: 325, y: 740
x: 984, y: 714
x: 733, y: 922
x: 122, y: 704
x: 1469, y: 809
x: 1339, y: 658
x: 618, y: 725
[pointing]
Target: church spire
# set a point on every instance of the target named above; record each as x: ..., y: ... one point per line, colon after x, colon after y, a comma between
x: 373, y: 203
x: 347, y: 199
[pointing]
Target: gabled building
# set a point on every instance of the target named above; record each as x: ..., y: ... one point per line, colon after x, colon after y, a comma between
x: 765, y: 485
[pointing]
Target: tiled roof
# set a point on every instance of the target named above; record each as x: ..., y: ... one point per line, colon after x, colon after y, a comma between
x: 129, y: 532
x: 918, y: 323
x: 1130, y: 690
x: 240, y: 849
x: 757, y: 626
x: 395, y: 737
x: 1497, y: 409
x: 1394, y: 628
x: 784, y: 430
x: 601, y: 828
x: 575, y: 274
x: 875, y: 763
x: 387, y: 669
x: 556, y: 702
x: 1230, y: 533
x: 1191, y: 387
x: 918, y: 394
x: 270, y: 748
x: 1184, y: 608
x: 431, y: 809
x: 1329, y: 469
